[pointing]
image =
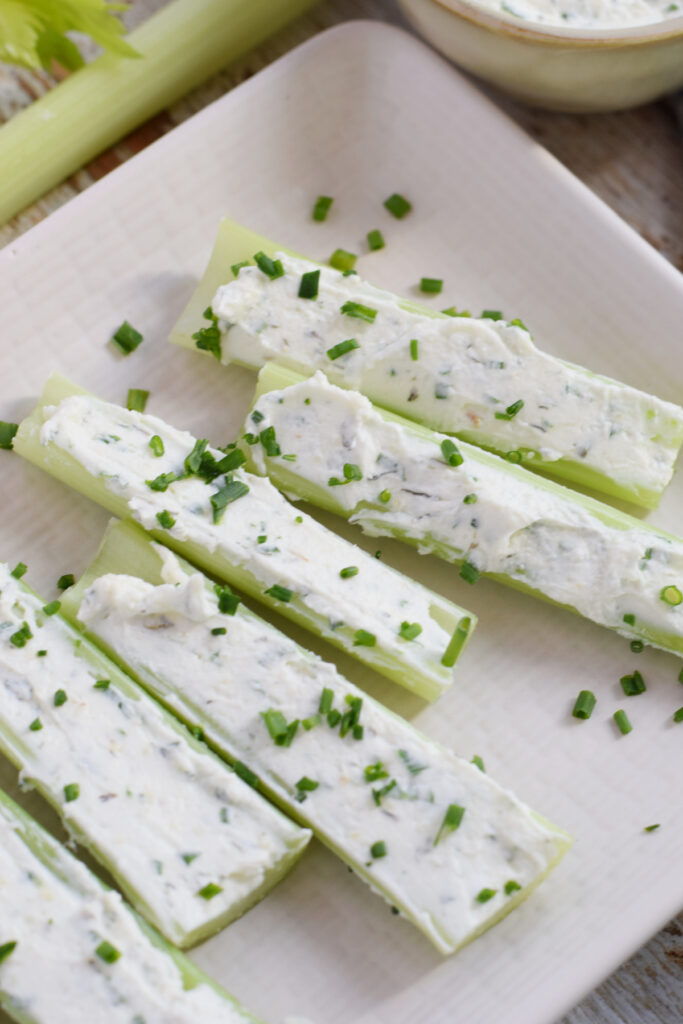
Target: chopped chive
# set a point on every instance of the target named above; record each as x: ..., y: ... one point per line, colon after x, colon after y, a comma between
x: 189, y: 857
x: 414, y: 347
x: 343, y: 260
x: 450, y: 452
x: 6, y: 949
x: 218, y: 631
x: 210, y: 890
x: 196, y: 731
x: 451, y: 821
x: 227, y: 601
x: 514, y: 456
x: 629, y: 619
x: 452, y: 311
x: 397, y: 205
x: 157, y: 446
x: 137, y: 399
x: 7, y: 432
x: 671, y: 595
x: 165, y: 519
x: 102, y: 684
x: 352, y: 471
x: 66, y: 581
x: 36, y: 725
x: 511, y: 410
x: 633, y: 685
x: 305, y: 786
x: 72, y: 791
x: 233, y: 460
x: 361, y: 638
x: 271, y: 268
x: 233, y: 490
x: 280, y: 593
x: 261, y: 539
x: 321, y: 207
x: 194, y: 460
x: 379, y: 849
x: 678, y: 715
x: 623, y: 724
x: 236, y: 267
x: 18, y: 571
x: 414, y: 767
x: 584, y: 705
x: 342, y: 347
x: 208, y: 339
x: 348, y: 572
x: 223, y: 815
x: 379, y: 794
x: 52, y: 608
x: 409, y: 630
x: 350, y: 718
x: 359, y: 311
x: 59, y: 698
x: 308, y: 287
x: 276, y: 724
x: 431, y: 285
x: 511, y: 887
x: 375, y: 771
x: 107, y: 952
x: 469, y: 572
x: 162, y: 482
x: 457, y: 642
x: 267, y: 439
x: 479, y: 762
x: 491, y: 314
x: 326, y: 700
x: 385, y: 496
x: 310, y: 723
x: 358, y: 732
x: 40, y: 654
x: 333, y: 717
x: 637, y: 646
x: 245, y: 774
x: 470, y: 499
x: 518, y: 323
x: 484, y: 895
x: 126, y: 338
x: 375, y: 240
x: 289, y: 458
x: 651, y: 828
x: 22, y: 636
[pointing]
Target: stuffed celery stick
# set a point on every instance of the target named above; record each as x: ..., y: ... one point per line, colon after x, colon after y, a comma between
x: 430, y: 832
x: 72, y: 952
x: 116, y: 765
x: 200, y: 501
x: 465, y: 505
x: 481, y: 379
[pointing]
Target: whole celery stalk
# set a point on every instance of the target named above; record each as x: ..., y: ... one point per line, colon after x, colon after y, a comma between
x: 179, y: 47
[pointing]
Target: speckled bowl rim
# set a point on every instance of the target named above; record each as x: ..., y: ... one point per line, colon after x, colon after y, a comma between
x: 507, y: 24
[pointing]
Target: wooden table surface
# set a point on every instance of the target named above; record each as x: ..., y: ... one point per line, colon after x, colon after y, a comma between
x: 632, y: 160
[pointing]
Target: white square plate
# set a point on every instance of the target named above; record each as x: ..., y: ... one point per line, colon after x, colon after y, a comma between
x: 357, y: 113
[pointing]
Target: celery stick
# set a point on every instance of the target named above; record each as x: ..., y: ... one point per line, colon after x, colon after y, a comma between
x: 59, y: 915
x: 481, y: 380
x: 114, y: 764
x: 486, y: 513
x: 181, y: 45
x: 261, y: 545
x: 352, y: 771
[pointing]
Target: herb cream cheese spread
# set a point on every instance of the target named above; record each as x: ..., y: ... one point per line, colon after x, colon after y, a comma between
x: 586, y: 14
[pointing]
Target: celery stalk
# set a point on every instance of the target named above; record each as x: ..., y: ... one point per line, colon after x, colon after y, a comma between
x: 180, y: 46
x: 71, y: 894
x: 658, y: 621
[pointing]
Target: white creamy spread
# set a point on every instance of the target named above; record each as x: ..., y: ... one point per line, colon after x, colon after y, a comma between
x: 596, y: 14
x: 147, y: 803
x: 455, y: 374
x: 260, y: 532
x: 494, y: 516
x: 232, y: 680
x: 54, y: 976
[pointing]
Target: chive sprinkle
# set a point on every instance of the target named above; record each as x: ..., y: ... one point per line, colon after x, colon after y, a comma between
x: 637, y: 646
x: 457, y: 642
x: 326, y: 700
x: 189, y: 857
x: 137, y: 399
x: 585, y: 702
x: 6, y: 949
x: 409, y: 630
x: 379, y: 849
x: 511, y: 887
x: 22, y: 636
x: 414, y: 346
x: 59, y: 698
x: 671, y: 595
x: 622, y: 722
x: 491, y: 314
x: 633, y: 685
x: 72, y: 792
x: 280, y: 593
x: 208, y: 339
x: 102, y: 684
x: 270, y: 445
x: 66, y: 581
x: 305, y: 786
x: 236, y: 267
x: 359, y: 311
x: 358, y: 732
x: 271, y: 268
x: 397, y: 205
x: 379, y: 794
x: 194, y: 460
x: 470, y: 499
x: 162, y: 482
x: 245, y: 774
x: 40, y: 654
x: 431, y: 285
x: 18, y: 571
x: 451, y: 821
x: 52, y: 608
x: 7, y: 433
x: 375, y: 240
x: 233, y: 490
x: 341, y: 348
x: 518, y: 323
x: 348, y: 572
x: 450, y: 452
x: 321, y: 207
x: 511, y: 410
x: 651, y: 828
x: 165, y: 519
x: 227, y: 601
x: 352, y: 471
x: 514, y: 456
x: 276, y: 724
x: 333, y: 717
x: 126, y: 338
x: 310, y: 723
x: 479, y: 762
x: 218, y: 631
x: 629, y: 619
x: 469, y: 572
x: 107, y: 952
x: 678, y: 715
x: 375, y: 771
x: 385, y: 496
x: 36, y: 725
x: 361, y: 638
x: 157, y: 446
x: 484, y: 895
x: 210, y: 890
x: 308, y: 287
x: 343, y: 260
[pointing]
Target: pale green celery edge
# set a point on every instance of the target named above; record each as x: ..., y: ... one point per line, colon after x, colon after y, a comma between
x: 20, y: 755
x: 69, y: 871
x: 274, y: 377
x: 235, y: 243
x: 429, y: 682
x: 127, y: 549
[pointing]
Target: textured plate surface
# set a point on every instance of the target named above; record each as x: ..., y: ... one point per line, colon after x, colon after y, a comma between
x: 358, y: 113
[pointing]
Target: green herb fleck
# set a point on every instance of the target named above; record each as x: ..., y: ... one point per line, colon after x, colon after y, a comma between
x: 52, y: 608
x: 137, y: 399
x: 72, y: 791
x: 210, y: 890
x: 385, y: 496
x: 348, y: 572
x: 232, y: 490
x: 157, y: 446
x: 469, y: 572
x: 511, y: 887
x: 651, y: 828
x: 22, y: 636
x: 305, y: 786
x: 414, y: 349
x: 491, y: 314
x: 633, y: 685
x: 218, y: 631
x: 678, y: 715
x: 359, y: 311
x: 6, y: 949
x: 280, y: 593
x: 342, y: 347
x: 450, y: 452
x: 7, y: 433
x: 36, y: 725
x: 622, y: 722
x: 511, y: 410
x: 409, y: 630
x: 431, y: 285
x: 236, y: 267
x: 245, y: 774
x: 457, y: 642
x: 585, y: 702
x: 479, y: 762
x: 375, y: 240
x: 326, y: 701
x: 484, y: 895
x: 18, y: 571
x: 102, y: 684
x: 165, y: 519
x: 310, y: 282
x: 270, y: 445
x: 126, y: 338
x: 227, y: 601
x: 65, y: 581
x: 361, y: 638
x: 451, y: 821
x: 343, y: 260
x: 321, y: 207
x: 379, y: 849
x: 107, y: 952
x: 671, y: 595
x: 397, y: 205
x: 271, y: 268
x: 375, y: 771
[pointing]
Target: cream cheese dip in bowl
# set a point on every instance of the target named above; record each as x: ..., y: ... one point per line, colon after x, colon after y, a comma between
x: 571, y: 55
